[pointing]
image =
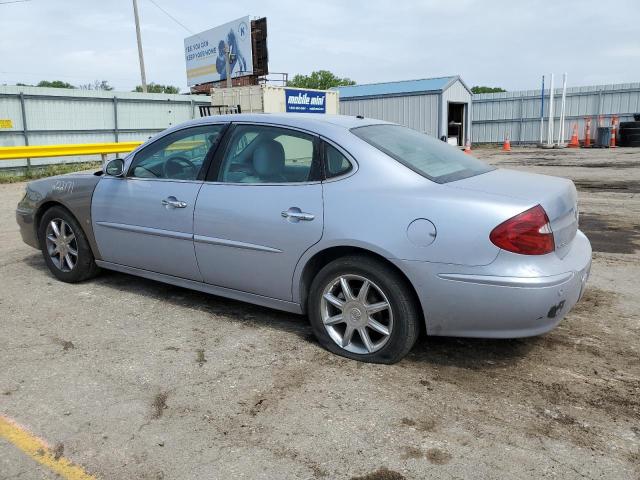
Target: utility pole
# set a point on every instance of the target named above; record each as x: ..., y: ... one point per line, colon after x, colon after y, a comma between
x: 140, y: 56
x: 227, y: 64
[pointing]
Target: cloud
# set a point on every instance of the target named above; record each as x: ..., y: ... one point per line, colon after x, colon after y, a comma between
x: 498, y: 42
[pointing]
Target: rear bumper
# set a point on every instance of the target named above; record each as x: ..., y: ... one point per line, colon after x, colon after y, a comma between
x: 494, y: 303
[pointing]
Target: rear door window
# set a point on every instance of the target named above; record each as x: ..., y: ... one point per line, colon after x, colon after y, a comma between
x: 266, y: 154
x: 335, y: 162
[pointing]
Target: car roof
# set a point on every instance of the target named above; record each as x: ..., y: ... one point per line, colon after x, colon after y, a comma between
x: 309, y: 121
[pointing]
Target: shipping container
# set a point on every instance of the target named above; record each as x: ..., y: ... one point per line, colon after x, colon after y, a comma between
x: 274, y: 99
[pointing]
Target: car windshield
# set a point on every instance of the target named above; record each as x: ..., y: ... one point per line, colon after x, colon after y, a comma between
x: 423, y: 154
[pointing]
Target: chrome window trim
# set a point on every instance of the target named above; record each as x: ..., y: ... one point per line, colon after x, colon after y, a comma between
x: 280, y: 184
x: 170, y: 180
x: 278, y: 125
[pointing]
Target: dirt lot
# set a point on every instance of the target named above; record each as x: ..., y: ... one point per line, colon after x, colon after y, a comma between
x: 133, y: 379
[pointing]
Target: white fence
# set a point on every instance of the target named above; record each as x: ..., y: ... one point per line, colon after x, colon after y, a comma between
x: 48, y: 116
x: 517, y: 114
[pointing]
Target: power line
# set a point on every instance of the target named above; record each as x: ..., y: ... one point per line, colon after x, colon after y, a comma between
x: 14, y: 1
x: 59, y: 75
x: 172, y: 17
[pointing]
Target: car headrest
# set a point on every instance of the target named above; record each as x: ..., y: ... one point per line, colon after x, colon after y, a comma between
x: 268, y: 159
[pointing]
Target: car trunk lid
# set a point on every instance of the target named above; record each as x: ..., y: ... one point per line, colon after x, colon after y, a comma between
x: 556, y: 195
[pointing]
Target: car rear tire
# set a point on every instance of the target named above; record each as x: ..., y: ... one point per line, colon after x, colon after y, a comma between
x: 361, y: 308
x: 65, y: 247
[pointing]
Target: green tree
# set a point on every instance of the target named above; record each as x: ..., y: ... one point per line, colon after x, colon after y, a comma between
x: 481, y: 89
x: 157, y: 88
x: 54, y: 84
x: 97, y: 85
x: 321, y: 80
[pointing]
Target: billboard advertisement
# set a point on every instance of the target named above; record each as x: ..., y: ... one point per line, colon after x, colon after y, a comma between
x: 307, y: 101
x: 204, y: 52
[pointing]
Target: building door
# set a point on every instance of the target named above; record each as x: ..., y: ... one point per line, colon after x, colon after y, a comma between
x: 456, y: 128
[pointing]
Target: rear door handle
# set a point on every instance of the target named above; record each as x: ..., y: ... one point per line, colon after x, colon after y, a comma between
x: 173, y: 202
x: 294, y: 214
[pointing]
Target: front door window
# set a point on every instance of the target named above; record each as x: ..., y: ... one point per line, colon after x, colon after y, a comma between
x: 177, y: 156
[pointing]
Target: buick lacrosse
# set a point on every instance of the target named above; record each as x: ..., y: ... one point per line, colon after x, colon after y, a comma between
x: 373, y: 230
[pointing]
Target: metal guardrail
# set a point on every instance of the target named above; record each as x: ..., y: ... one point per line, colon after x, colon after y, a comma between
x: 42, y: 151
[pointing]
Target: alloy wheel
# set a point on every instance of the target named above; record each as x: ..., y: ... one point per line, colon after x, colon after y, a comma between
x: 356, y: 314
x: 62, y: 245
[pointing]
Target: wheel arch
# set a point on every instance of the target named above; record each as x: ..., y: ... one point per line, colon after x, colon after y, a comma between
x: 42, y: 209
x: 316, y: 261
x: 49, y: 204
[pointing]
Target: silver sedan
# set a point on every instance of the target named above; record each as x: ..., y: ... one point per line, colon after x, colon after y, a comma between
x: 373, y: 230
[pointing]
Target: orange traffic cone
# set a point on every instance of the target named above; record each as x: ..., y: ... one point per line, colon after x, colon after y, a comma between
x: 574, y: 143
x: 587, y: 132
x: 506, y: 146
x: 467, y: 148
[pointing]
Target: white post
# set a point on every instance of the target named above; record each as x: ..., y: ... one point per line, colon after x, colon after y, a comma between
x: 542, y: 113
x: 550, y: 130
x: 227, y: 65
x: 562, y: 111
x: 143, y: 75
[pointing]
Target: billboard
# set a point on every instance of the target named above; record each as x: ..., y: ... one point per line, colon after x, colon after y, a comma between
x: 308, y: 101
x: 204, y: 52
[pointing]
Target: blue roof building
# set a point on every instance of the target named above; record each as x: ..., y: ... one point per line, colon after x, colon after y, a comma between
x: 438, y: 106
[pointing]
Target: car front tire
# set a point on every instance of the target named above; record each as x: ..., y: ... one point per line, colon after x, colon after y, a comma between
x: 65, y: 247
x: 363, y: 309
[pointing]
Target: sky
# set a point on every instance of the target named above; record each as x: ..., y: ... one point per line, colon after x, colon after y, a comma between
x: 505, y: 43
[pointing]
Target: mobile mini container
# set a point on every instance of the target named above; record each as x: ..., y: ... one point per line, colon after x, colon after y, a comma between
x: 273, y: 99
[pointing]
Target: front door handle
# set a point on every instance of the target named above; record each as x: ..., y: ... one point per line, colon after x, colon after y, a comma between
x: 294, y: 214
x: 173, y: 202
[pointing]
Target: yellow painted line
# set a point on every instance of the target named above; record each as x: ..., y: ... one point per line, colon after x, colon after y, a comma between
x: 39, y: 151
x: 38, y: 450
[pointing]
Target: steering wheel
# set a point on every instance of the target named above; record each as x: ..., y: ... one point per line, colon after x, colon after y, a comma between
x: 179, y: 168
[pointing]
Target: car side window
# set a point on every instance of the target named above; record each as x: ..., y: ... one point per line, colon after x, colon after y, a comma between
x: 335, y: 163
x: 177, y: 156
x: 265, y: 154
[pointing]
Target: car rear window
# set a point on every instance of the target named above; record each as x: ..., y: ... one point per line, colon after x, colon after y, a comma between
x: 431, y: 158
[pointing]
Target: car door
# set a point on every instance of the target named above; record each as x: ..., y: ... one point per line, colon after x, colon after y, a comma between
x: 260, y: 209
x: 145, y: 218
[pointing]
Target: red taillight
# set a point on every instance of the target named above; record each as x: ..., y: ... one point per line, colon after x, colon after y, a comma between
x: 528, y: 233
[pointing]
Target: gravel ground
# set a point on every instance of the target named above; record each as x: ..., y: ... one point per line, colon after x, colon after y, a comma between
x: 136, y: 379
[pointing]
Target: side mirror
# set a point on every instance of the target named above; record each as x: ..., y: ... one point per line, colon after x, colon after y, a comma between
x: 115, y: 168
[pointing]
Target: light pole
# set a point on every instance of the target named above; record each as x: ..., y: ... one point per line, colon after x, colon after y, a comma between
x: 228, y: 58
x: 140, y: 56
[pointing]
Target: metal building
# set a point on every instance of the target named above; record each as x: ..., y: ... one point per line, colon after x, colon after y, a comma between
x: 437, y: 106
